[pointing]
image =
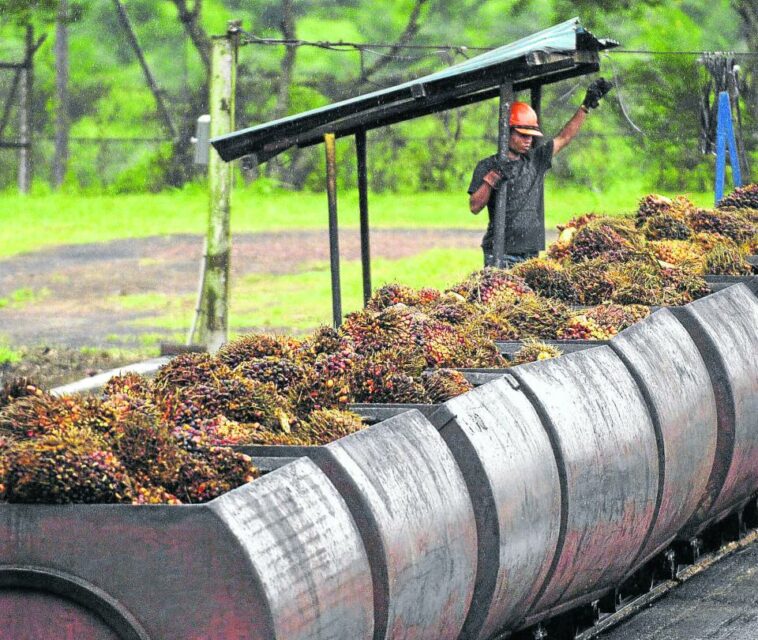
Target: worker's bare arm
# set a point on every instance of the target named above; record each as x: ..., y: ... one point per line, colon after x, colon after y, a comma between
x: 479, y: 199
x: 570, y: 130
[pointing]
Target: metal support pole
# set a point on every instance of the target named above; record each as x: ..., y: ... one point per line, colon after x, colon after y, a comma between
x: 62, y: 121
x: 215, y: 297
x: 25, y: 117
x: 501, y: 199
x: 334, y: 246
x: 536, y: 99
x: 360, y: 150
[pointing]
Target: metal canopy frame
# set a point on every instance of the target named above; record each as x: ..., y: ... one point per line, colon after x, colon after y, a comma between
x: 564, y: 51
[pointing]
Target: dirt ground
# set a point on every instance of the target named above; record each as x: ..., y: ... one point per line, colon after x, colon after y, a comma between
x: 51, y: 329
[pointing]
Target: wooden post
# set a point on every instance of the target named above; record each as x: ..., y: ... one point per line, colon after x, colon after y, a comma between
x: 360, y: 150
x: 334, y: 246
x: 60, y: 161
x: 501, y: 199
x: 25, y: 116
x: 213, y: 328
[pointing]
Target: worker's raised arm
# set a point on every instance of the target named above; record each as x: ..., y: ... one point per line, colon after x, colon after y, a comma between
x: 595, y: 92
x: 479, y: 198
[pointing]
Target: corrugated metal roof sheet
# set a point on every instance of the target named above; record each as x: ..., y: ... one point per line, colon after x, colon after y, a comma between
x: 562, y: 51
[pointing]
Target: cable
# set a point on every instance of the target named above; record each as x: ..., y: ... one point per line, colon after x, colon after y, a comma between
x: 620, y: 98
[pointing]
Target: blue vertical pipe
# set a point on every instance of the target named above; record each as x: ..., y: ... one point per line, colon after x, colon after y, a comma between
x: 724, y: 135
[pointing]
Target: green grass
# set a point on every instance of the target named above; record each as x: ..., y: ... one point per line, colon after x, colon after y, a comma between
x: 8, y: 355
x: 267, y: 301
x: 33, y: 222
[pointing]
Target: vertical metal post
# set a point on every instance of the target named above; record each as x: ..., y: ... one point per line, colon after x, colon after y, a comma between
x: 334, y: 246
x: 360, y: 150
x: 215, y: 297
x: 536, y: 99
x: 501, y: 199
x: 60, y: 161
x: 25, y: 116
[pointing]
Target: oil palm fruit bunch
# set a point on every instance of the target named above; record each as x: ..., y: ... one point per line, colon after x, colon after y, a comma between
x: 482, y: 285
x: 280, y: 371
x: 741, y: 198
x: 391, y: 294
x: 666, y: 226
x: 255, y: 345
x: 189, y: 369
x: 678, y: 253
x: 35, y: 415
x: 383, y: 382
x: 491, y: 325
x: 590, y: 281
x: 324, y: 340
x: 538, y: 317
x: 455, y: 311
x: 721, y: 222
x: 19, y: 387
x: 636, y: 282
x: 442, y: 345
x: 533, y: 350
x: 211, y: 473
x: 481, y: 352
x: 330, y: 386
x: 442, y: 384
x: 726, y: 259
x: 614, y: 318
x: 130, y: 384
x: 600, y: 239
x: 652, y: 205
x: 374, y: 331
x: 547, y: 278
x: 583, y: 327
x: 680, y: 286
x: 65, y: 466
x: 327, y: 425
x: 215, y: 432
x: 428, y: 296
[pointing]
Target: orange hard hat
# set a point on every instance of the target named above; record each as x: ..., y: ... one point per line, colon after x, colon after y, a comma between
x: 524, y: 119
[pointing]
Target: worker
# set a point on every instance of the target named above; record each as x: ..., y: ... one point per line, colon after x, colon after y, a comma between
x: 524, y: 174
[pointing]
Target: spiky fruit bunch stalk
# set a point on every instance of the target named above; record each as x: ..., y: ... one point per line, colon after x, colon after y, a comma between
x: 533, y: 350
x: 492, y: 326
x: 35, y: 415
x: 678, y: 253
x: 666, y: 226
x: 482, y: 286
x: 590, y: 281
x: 583, y: 327
x: 65, y: 466
x: 548, y: 278
x: 636, y: 282
x: 721, y: 222
x: 614, y: 318
x: 255, y: 345
x: 537, y: 317
x: 726, y: 259
x: 268, y: 438
x: 327, y: 425
x: 741, y: 198
x: 442, y: 384
x: 392, y: 294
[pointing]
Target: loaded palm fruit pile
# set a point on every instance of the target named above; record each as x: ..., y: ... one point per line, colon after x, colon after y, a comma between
x: 169, y: 439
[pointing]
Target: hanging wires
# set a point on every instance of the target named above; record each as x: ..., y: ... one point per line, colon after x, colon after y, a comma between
x: 620, y: 97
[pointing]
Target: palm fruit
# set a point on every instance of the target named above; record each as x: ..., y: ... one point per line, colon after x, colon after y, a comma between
x: 382, y: 382
x: 264, y: 437
x: 255, y: 345
x: 34, y: 415
x: 150, y: 494
x: 533, y: 350
x: 599, y: 239
x: 391, y: 294
x: 546, y: 277
x: 636, y: 282
x: 721, y: 222
x: 442, y: 384
x: 330, y: 386
x: 371, y: 331
x: 327, y: 425
x: 741, y: 198
x: 492, y: 326
x: 726, y: 259
x: 442, y: 345
x: 280, y: 371
x: 482, y: 285
x: 614, y: 318
x: 188, y: 369
x: 452, y: 311
x: 666, y: 226
x: 652, y: 205
x: 538, y: 317
x: 215, y: 432
x: 18, y: 388
x: 678, y: 252
x: 65, y: 466
x: 681, y: 287
x: 324, y: 340
x: 583, y: 327
x: 211, y: 473
x: 590, y: 281
x: 131, y: 384
x: 428, y: 296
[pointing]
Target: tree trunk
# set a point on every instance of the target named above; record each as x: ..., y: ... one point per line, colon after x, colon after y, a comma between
x: 25, y: 116
x: 62, y: 122
x: 191, y: 21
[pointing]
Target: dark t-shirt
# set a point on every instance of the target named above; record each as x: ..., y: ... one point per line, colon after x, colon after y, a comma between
x: 524, y: 218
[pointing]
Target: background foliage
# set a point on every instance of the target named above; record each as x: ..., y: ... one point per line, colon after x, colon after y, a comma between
x: 119, y: 144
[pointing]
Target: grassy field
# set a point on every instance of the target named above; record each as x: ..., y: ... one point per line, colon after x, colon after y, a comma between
x: 33, y: 222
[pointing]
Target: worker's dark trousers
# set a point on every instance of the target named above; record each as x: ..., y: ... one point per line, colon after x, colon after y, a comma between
x: 509, y: 259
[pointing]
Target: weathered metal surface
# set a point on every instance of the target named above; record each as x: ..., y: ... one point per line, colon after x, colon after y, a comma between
x: 507, y: 460
x: 509, y: 347
x: 723, y: 326
x: 306, y: 553
x: 606, y: 447
x: 674, y: 381
x: 376, y: 412
x: 277, y: 558
x: 410, y: 502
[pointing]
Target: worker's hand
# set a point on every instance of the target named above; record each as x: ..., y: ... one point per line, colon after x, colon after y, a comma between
x: 595, y: 92
x: 493, y: 178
